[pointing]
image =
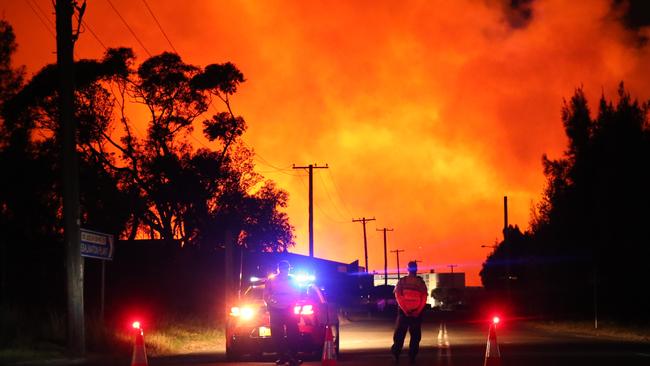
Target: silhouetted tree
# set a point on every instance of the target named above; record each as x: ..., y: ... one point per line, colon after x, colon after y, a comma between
x: 193, y: 195
x: 588, y: 231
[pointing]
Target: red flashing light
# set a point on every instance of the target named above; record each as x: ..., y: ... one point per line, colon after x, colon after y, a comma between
x: 136, y: 325
x: 496, y: 320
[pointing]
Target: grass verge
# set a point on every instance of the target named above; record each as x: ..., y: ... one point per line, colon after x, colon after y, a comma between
x: 179, y: 335
x: 609, y: 330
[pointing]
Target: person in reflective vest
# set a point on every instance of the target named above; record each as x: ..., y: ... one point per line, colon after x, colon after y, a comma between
x: 411, y: 296
x: 281, y: 295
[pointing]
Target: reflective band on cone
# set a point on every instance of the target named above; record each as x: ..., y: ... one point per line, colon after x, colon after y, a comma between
x: 139, y: 354
x: 492, y: 354
x: 329, y: 352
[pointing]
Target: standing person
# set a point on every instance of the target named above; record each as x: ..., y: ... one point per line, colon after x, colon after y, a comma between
x: 411, y: 295
x: 281, y: 294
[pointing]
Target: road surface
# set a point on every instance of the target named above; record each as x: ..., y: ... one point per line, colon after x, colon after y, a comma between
x: 459, y: 343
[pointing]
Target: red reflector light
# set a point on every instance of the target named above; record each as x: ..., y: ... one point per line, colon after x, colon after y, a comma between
x: 303, y: 309
x: 307, y: 310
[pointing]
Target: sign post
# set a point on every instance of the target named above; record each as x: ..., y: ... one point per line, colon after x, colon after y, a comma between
x: 100, y: 246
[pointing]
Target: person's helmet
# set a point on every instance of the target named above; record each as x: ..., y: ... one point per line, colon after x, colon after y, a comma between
x: 284, y: 266
x: 413, y: 266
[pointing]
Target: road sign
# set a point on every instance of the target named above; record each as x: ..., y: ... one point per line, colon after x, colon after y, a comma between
x: 96, y: 245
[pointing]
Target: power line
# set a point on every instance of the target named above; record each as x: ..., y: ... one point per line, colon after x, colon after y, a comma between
x: 44, y: 22
x: 159, y: 26
x: 338, y: 193
x: 87, y: 26
x: 320, y: 209
x: 45, y: 15
x: 330, y: 197
x: 129, y: 27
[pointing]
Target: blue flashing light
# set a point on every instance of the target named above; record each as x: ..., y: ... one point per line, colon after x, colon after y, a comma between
x: 303, y: 279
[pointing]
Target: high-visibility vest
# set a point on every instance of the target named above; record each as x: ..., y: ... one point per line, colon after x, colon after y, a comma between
x: 411, y: 293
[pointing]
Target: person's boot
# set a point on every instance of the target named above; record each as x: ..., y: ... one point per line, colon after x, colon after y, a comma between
x: 395, y: 356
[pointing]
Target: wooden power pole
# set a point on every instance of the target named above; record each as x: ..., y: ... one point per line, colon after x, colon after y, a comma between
x: 71, y: 211
x: 363, y: 220
x: 385, y: 256
x: 397, y: 252
x: 310, y: 168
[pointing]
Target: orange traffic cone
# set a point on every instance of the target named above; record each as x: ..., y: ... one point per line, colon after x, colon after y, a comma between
x: 139, y: 355
x: 492, y: 355
x: 329, y: 352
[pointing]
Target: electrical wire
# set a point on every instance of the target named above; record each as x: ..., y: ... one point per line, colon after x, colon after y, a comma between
x: 87, y: 26
x: 129, y: 27
x: 45, y: 15
x: 44, y: 22
x: 159, y: 25
x: 338, y: 211
x: 318, y: 206
x: 338, y: 193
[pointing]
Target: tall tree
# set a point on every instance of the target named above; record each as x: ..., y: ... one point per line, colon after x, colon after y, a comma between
x: 588, y: 231
x: 189, y: 194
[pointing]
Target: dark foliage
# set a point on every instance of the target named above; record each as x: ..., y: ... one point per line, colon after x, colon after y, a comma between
x: 587, y: 244
x: 133, y: 183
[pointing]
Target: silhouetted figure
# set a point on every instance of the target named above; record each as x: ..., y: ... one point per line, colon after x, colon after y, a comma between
x: 281, y: 294
x: 411, y: 295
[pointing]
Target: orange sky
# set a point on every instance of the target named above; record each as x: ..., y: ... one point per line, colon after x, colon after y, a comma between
x: 427, y: 112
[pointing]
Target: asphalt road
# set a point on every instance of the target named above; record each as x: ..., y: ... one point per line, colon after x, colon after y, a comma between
x: 460, y: 343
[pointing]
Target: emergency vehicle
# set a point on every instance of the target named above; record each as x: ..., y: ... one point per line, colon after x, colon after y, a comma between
x: 248, y: 330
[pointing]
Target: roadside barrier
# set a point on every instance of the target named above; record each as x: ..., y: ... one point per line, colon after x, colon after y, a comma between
x: 139, y: 354
x: 329, y: 351
x: 492, y: 354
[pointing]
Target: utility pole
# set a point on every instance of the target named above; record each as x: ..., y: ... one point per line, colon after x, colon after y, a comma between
x: 310, y: 168
x: 70, y: 174
x: 363, y: 220
x: 385, y: 256
x: 452, y: 266
x: 397, y: 252
x: 506, y: 246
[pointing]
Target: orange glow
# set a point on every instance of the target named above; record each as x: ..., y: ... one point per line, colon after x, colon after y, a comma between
x: 427, y: 112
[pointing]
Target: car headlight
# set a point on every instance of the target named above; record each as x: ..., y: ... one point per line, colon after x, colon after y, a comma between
x: 247, y: 313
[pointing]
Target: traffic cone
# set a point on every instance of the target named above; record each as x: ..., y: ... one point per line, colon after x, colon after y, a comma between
x: 329, y: 352
x: 139, y: 354
x: 492, y: 354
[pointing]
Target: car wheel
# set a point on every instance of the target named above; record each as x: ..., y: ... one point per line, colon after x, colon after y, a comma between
x: 336, y: 341
x: 232, y: 353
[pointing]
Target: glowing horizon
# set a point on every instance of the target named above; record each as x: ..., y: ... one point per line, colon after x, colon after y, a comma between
x: 427, y: 113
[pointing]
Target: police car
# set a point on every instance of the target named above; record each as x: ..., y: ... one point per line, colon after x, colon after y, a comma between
x: 248, y: 330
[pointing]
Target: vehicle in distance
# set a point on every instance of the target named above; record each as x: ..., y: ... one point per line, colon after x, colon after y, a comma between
x: 248, y: 330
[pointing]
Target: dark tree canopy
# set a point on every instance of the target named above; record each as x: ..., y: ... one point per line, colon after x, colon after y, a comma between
x: 589, y: 231
x: 153, y: 183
